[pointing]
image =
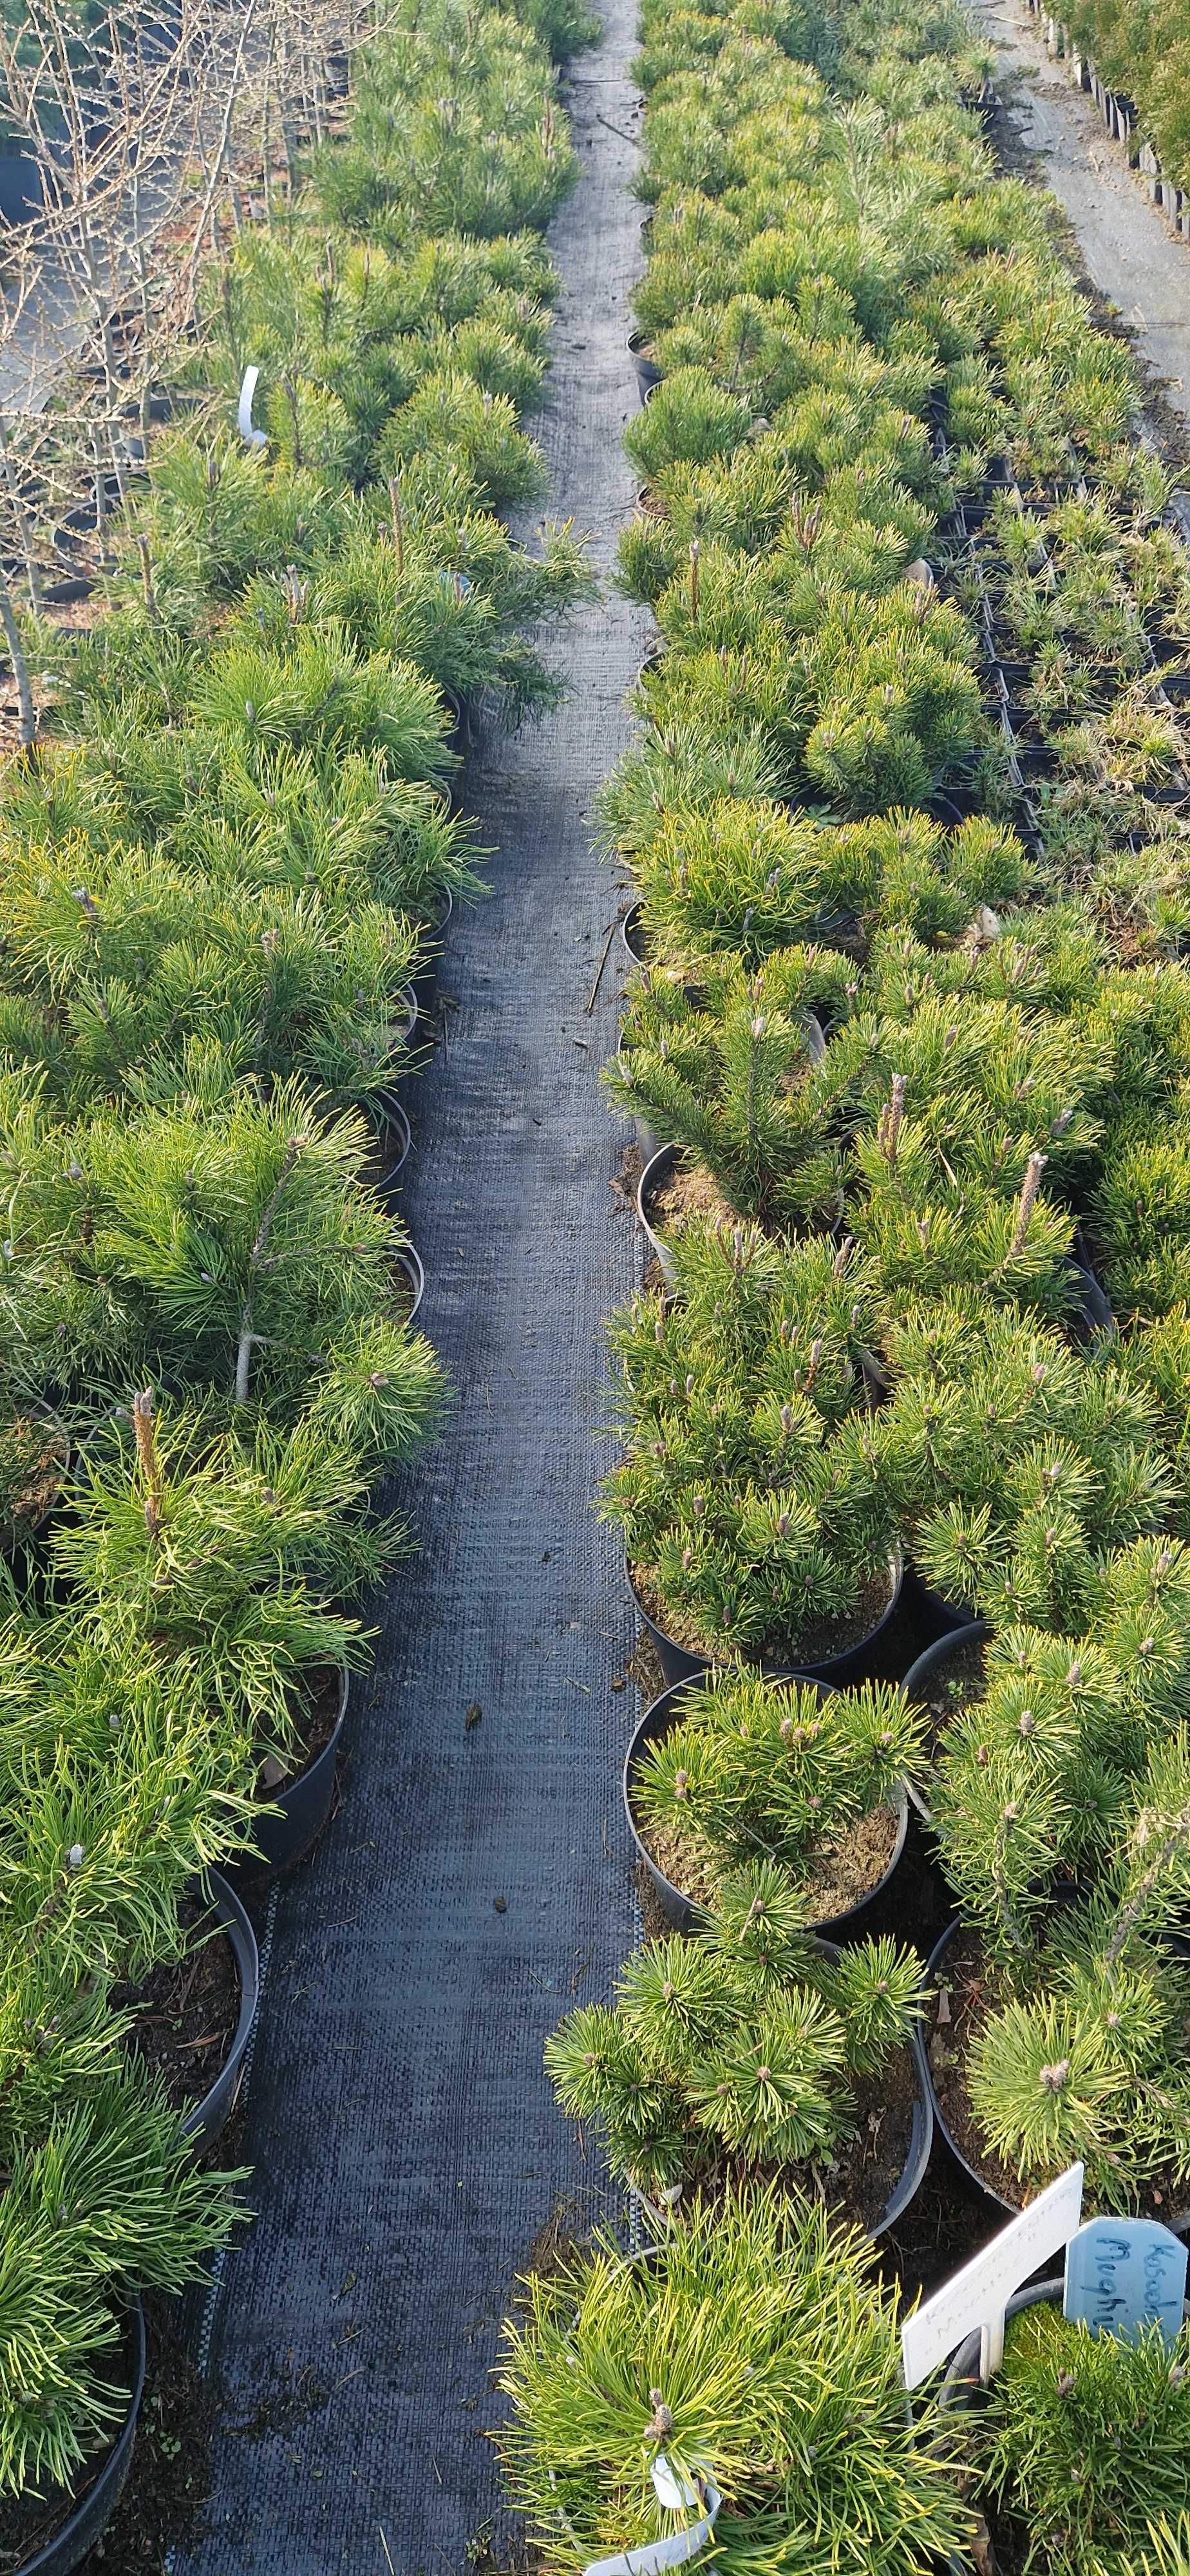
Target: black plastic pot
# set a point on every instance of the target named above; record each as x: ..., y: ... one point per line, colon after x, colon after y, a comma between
x: 424, y: 987
x: 851, y: 1664
x: 657, y: 1169
x: 410, y: 1262
x: 961, y: 2385
x: 94, y: 2509
x: 304, y: 1805
x: 392, y: 1143
x: 990, y: 2199
x: 647, y: 375
x: 1093, y: 1313
x: 934, y: 1660
x: 682, y: 1911
x: 632, y: 933
x: 203, y: 2125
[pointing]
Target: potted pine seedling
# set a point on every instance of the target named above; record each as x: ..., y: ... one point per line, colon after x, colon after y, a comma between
x: 108, y: 1861
x: 1079, y: 2447
x: 228, y: 1244
x: 753, y: 2051
x: 736, y: 1079
x: 756, y: 1523
x: 1062, y: 2000
x: 740, y: 2381
x: 104, y: 2200
x: 230, y: 1556
x: 735, y: 1768
x: 1015, y: 1464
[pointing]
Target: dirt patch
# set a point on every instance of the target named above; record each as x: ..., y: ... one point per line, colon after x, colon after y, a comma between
x: 187, y: 2011
x: 813, y: 1646
x: 973, y: 1999
x: 162, y: 2505
x: 686, y: 1196
x: 627, y: 1180
x: 839, y: 1876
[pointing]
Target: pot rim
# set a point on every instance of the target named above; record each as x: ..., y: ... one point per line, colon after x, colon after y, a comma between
x: 238, y: 1930
x: 655, y: 1721
x: 410, y: 1261
x: 782, y: 1672
x: 972, y: 1633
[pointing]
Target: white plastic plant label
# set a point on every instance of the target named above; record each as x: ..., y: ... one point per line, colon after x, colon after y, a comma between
x: 1125, y: 2273
x: 251, y: 437
x: 978, y: 2295
x: 677, y: 2495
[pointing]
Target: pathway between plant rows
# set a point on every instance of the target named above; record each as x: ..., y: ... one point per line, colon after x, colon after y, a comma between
x: 406, y: 2150
x: 1124, y: 243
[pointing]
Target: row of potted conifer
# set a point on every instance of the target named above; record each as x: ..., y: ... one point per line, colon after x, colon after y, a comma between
x: 904, y: 1046
x: 225, y: 867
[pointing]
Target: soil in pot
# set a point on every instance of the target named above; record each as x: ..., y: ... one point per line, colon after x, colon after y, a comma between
x: 187, y: 2011
x: 34, y: 1457
x: 162, y: 2504
x: 971, y: 2000
x: 688, y: 1192
x: 814, y: 1645
x: 837, y: 1879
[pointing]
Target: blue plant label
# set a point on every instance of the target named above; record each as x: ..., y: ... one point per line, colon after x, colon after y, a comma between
x: 1124, y: 2273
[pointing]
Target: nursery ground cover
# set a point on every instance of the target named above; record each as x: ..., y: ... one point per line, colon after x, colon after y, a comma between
x: 475, y: 1881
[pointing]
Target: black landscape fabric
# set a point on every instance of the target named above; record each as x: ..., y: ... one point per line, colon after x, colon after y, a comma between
x: 475, y: 1881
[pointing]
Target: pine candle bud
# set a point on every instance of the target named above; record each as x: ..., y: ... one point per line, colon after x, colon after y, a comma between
x: 75, y: 1856
x: 1053, y: 2078
x: 1027, y: 1202
x: 1026, y: 1724
x: 891, y: 1117
x: 681, y: 1783
x: 661, y: 2421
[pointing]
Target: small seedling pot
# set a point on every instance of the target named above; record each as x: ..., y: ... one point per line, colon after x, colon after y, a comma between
x: 409, y: 1261
x: 298, y: 1812
x: 851, y: 1664
x: 203, y: 2124
x: 647, y: 375
x: 424, y: 987
x: 935, y: 1660
x: 632, y: 933
x: 83, y: 2526
x: 685, y: 1914
x: 393, y: 1141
